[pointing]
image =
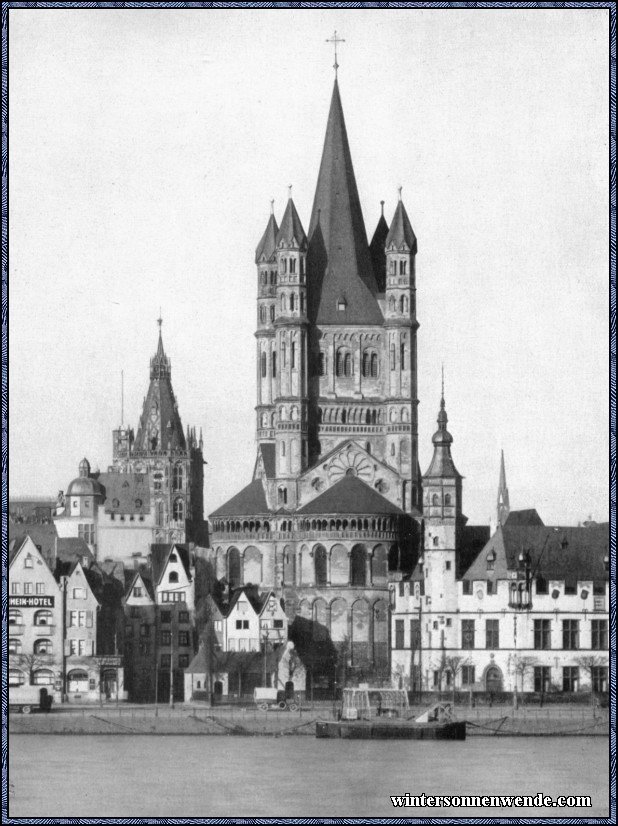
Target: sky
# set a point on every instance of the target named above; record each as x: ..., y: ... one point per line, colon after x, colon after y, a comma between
x: 145, y: 146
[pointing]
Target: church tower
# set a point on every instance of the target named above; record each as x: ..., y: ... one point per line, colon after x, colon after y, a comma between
x: 503, y: 507
x: 266, y: 263
x: 443, y: 519
x: 173, y: 459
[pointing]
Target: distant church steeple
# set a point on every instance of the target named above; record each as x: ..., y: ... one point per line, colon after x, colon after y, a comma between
x: 503, y: 508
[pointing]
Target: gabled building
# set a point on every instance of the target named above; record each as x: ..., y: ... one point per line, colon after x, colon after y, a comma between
x: 35, y: 621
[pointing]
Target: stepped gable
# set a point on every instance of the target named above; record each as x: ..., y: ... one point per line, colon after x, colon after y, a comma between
x: 251, y: 500
x: 347, y: 496
x: 339, y: 267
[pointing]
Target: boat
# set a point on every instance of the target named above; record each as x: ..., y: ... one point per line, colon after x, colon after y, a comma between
x: 384, y: 714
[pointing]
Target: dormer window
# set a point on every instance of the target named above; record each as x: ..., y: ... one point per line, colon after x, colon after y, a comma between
x: 173, y: 557
x: 28, y: 562
x: 491, y: 560
x: 341, y: 304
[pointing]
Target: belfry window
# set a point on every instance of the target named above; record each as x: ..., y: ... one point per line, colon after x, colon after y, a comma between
x: 403, y: 356
x: 292, y: 265
x: 292, y: 302
x: 179, y: 510
x: 274, y: 364
x: 293, y: 355
x: 177, y: 477
x: 402, y: 267
x: 272, y: 312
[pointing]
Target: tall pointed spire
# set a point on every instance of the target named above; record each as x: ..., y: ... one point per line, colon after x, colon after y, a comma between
x: 503, y: 507
x: 291, y: 231
x: 376, y: 249
x: 401, y: 235
x: 160, y: 365
x: 268, y: 242
x: 338, y: 262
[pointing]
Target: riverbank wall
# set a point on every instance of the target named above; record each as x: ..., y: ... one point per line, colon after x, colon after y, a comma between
x: 191, y: 720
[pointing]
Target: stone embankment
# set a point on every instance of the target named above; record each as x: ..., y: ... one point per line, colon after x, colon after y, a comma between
x: 194, y: 720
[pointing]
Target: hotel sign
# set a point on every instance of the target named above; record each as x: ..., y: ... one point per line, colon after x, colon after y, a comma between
x: 31, y: 602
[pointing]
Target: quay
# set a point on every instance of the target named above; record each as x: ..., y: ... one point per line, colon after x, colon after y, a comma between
x: 198, y: 719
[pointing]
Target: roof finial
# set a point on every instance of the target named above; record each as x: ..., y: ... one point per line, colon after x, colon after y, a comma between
x: 160, y: 320
x: 399, y: 188
x: 442, y: 397
x: 382, y: 206
x: 334, y: 40
x: 272, y: 206
x: 289, y: 192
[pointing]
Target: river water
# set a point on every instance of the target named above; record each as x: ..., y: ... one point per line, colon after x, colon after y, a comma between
x: 200, y: 776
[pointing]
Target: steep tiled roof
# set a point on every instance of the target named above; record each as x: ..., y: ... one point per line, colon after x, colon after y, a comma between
x: 71, y: 548
x: 291, y: 229
x: 160, y: 409
x: 159, y: 554
x: 126, y: 493
x: 524, y: 517
x: 401, y: 234
x: 376, y: 249
x: 269, y: 459
x: 555, y: 553
x: 338, y: 260
x: 42, y: 535
x: 350, y: 495
x: 266, y: 248
x: 250, y: 500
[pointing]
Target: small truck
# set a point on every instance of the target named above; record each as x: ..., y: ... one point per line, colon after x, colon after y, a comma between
x: 27, y: 698
x: 273, y: 699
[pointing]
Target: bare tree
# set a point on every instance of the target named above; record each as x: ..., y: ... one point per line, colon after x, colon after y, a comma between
x: 589, y: 663
x: 104, y: 663
x: 454, y: 664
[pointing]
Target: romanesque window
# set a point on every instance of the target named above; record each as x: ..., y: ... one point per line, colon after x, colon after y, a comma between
x: 263, y: 364
x: 392, y: 356
x: 272, y: 312
x: 262, y: 314
x: 274, y: 364
x: 347, y: 364
x: 391, y: 303
x: 273, y: 277
x: 283, y: 354
x: 292, y: 269
x: 435, y: 500
x: 283, y: 304
x: 391, y: 267
x: 447, y: 500
x: 292, y: 302
x: 403, y: 356
x: 402, y: 267
x: 321, y: 364
x: 403, y: 304
x: 293, y: 355
x: 283, y: 448
x: 302, y: 302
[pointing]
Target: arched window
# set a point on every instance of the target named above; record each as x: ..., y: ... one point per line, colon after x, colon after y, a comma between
x: 292, y: 302
x: 43, y: 647
x: 77, y: 681
x: 347, y: 364
x: 16, y: 677
x: 274, y: 364
x: 393, y: 449
x: 43, y: 676
x: 14, y: 645
x: 15, y: 617
x: 358, y: 566
x: 43, y: 617
x: 179, y: 510
x: 436, y: 541
x: 402, y: 304
x: 447, y: 500
x: 343, y: 417
x: 368, y: 417
x: 272, y: 312
x: 321, y: 364
x: 402, y: 267
x: 392, y: 356
x: 302, y: 302
x: 292, y: 265
x: 391, y: 302
x: 283, y: 303
x: 273, y: 277
x: 374, y: 365
x: 339, y: 363
x: 366, y: 364
x: 403, y: 356
x: 320, y: 565
x: 374, y: 416
x: 283, y: 354
x: 263, y: 364
x: 435, y: 500
x: 283, y: 448
x: 293, y: 355
x: 177, y: 477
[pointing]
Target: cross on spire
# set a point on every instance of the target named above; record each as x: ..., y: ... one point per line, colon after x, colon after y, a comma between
x: 335, y: 40
x: 399, y: 188
x: 160, y: 320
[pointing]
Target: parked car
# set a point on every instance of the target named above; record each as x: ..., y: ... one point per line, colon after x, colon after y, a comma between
x: 272, y: 698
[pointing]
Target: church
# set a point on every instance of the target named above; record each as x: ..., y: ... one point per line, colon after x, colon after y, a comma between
x: 334, y: 510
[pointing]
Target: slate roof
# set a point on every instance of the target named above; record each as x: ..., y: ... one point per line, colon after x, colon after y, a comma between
x: 557, y: 553
x: 268, y: 242
x: 522, y: 518
x: 338, y: 260
x: 71, y: 548
x: 159, y: 554
x: 376, y: 250
x: 291, y: 229
x: 250, y: 500
x: 132, y: 575
x: 349, y: 495
x: 126, y: 493
x: 43, y: 535
x: 161, y: 400
x: 401, y: 233
x: 269, y: 459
